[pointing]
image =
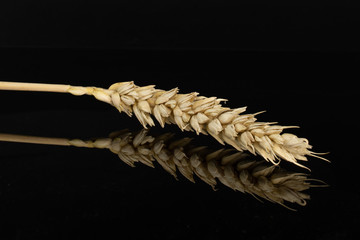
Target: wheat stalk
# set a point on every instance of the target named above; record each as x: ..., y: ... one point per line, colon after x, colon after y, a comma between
x: 192, y: 112
x: 236, y: 170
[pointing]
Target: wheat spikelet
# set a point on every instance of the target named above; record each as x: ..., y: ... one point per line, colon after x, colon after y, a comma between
x: 236, y: 170
x: 192, y: 112
x: 205, y: 115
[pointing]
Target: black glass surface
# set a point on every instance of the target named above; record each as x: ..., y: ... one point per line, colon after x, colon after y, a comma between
x: 301, y: 66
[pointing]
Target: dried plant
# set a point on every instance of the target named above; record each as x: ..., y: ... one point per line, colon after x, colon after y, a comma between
x: 236, y: 170
x: 192, y: 112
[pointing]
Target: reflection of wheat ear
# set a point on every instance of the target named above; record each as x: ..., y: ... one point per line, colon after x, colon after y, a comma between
x: 193, y: 113
x: 236, y: 170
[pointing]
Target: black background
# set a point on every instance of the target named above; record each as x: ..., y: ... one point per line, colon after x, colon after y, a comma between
x: 296, y: 59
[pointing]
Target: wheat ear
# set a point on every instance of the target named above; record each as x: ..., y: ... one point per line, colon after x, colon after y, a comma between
x: 236, y: 170
x: 192, y: 112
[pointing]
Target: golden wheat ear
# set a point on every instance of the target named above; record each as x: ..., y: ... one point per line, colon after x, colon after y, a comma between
x: 236, y: 170
x: 192, y: 112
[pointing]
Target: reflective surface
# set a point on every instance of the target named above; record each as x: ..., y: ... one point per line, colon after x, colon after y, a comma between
x: 237, y: 170
x: 91, y: 190
x: 63, y: 192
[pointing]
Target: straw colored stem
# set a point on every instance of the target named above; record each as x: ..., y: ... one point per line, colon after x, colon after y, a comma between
x: 192, y: 112
x: 34, y: 139
x: 39, y: 87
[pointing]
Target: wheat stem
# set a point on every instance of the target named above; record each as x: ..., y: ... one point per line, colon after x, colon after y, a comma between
x: 192, y: 112
x: 38, y: 87
x: 34, y: 139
